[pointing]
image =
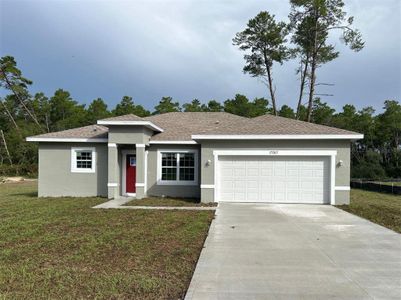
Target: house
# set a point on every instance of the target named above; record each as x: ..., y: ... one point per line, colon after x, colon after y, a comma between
x: 214, y: 156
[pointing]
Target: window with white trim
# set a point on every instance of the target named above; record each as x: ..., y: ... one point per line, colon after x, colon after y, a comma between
x: 177, y: 167
x: 83, y: 160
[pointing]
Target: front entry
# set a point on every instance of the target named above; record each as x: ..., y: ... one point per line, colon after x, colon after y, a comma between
x: 130, y: 174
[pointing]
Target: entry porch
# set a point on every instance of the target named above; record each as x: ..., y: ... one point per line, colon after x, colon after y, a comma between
x: 126, y: 170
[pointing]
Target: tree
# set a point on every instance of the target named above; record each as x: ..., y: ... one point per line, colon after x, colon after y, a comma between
x: 322, y: 113
x: 212, y: 106
x: 313, y: 21
x: 97, y: 110
x: 127, y: 106
x: 389, y: 135
x: 194, y: 106
x: 66, y: 113
x: 241, y: 106
x: 41, y: 106
x: 390, y: 123
x: 265, y: 39
x: 259, y: 107
x: 11, y: 79
x: 166, y: 105
x: 369, y: 167
x: 286, y: 112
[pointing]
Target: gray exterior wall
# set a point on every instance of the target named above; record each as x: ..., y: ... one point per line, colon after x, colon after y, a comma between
x: 342, y: 147
x: 129, y: 134
x: 153, y: 189
x: 56, y: 178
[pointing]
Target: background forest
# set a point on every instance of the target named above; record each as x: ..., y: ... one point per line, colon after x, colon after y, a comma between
x: 377, y: 156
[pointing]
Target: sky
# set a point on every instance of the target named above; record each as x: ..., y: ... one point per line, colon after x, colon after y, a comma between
x: 183, y: 49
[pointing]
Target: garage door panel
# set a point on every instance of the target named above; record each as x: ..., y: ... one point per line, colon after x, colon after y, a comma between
x: 252, y: 171
x: 239, y: 197
x: 227, y: 172
x: 266, y: 171
x: 292, y: 172
x: 273, y: 179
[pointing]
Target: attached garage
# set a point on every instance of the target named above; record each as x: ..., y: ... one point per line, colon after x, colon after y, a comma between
x: 274, y: 178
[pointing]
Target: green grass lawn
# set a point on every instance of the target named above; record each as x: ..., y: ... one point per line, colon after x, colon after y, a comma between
x: 381, y: 208
x: 62, y: 248
x: 158, y: 201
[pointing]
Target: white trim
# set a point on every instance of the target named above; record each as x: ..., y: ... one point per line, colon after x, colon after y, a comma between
x: 207, y: 186
x: 279, y: 137
x: 342, y: 188
x: 124, y: 170
x: 332, y: 179
x: 177, y: 182
x: 112, y: 145
x: 271, y: 152
x: 65, y: 140
x: 139, y: 123
x: 146, y: 173
x: 274, y: 152
x: 73, y: 160
x: 112, y: 184
x: 140, y: 145
x: 139, y: 184
x: 173, y: 142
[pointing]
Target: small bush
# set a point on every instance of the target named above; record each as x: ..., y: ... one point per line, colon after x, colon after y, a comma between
x: 28, y: 170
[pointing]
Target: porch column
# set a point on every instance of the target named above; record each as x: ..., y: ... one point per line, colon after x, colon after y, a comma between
x: 140, y: 171
x: 113, y: 186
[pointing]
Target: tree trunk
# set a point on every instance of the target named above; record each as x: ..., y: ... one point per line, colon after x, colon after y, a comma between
x: 269, y: 77
x: 5, y: 147
x: 31, y: 114
x: 311, y: 89
x: 313, y: 69
x: 301, y: 89
x: 10, y: 115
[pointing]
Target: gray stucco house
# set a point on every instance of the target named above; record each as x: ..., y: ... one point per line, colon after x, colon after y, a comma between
x: 213, y: 156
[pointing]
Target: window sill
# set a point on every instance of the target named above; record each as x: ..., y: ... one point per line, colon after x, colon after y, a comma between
x: 83, y: 171
x: 183, y: 183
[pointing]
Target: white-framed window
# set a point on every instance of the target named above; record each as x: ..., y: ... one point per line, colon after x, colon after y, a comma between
x: 83, y: 160
x: 177, y: 167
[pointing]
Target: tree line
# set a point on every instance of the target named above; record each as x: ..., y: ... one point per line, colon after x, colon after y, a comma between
x: 378, y: 155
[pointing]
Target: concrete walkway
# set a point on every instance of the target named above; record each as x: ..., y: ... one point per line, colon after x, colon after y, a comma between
x: 267, y: 251
x: 119, y: 203
x: 114, y: 203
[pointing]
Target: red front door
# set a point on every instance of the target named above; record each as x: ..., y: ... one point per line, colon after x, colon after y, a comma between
x: 130, y: 174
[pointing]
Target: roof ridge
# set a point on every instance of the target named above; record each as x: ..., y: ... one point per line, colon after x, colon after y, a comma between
x: 302, y: 122
x: 115, y: 118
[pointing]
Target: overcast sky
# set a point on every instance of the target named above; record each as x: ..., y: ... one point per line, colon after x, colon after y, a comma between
x: 149, y: 49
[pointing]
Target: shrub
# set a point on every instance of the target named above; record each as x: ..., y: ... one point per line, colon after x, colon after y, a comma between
x: 28, y: 170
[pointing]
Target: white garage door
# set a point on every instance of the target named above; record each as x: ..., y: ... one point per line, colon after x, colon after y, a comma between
x: 280, y: 179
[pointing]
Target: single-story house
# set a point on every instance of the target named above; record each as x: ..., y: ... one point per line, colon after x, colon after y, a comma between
x: 214, y: 156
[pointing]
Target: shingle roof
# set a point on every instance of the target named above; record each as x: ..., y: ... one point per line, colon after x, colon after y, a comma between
x: 180, y: 126
x: 129, y: 117
x: 280, y: 125
x: 91, y: 131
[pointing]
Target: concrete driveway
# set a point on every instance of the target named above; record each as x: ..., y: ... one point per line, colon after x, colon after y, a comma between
x: 279, y: 251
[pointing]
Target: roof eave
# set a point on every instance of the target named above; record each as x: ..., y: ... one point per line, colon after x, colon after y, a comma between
x: 147, y: 124
x: 278, y: 137
x: 66, y: 140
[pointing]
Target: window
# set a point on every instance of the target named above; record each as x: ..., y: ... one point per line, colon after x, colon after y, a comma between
x: 83, y: 160
x: 177, y: 167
